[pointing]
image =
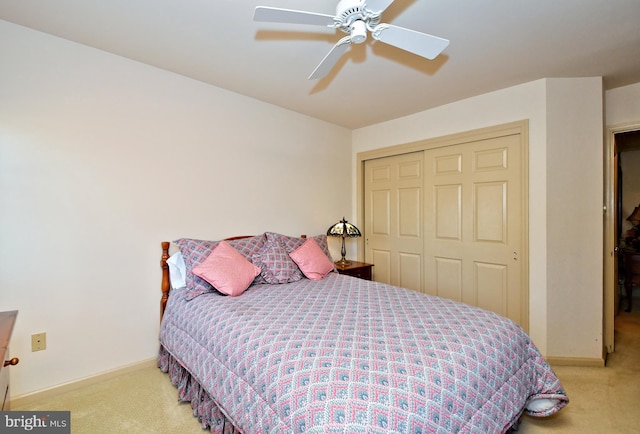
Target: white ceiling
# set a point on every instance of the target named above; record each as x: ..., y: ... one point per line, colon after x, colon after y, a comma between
x: 494, y: 44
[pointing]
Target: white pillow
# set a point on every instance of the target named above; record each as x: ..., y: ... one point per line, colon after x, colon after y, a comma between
x: 177, y: 270
x: 541, y: 404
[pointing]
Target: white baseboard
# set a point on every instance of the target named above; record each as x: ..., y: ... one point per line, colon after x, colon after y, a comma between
x: 27, y: 398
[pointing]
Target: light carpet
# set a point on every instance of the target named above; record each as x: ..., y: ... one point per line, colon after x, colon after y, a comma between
x: 603, y: 400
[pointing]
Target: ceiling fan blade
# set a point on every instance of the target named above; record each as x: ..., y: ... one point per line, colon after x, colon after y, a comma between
x: 378, y: 6
x: 331, y: 58
x: 414, y: 42
x: 277, y: 15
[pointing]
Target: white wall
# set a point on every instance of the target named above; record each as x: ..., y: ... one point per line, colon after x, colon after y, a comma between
x: 529, y: 101
x: 101, y: 158
x: 575, y: 163
x: 623, y: 105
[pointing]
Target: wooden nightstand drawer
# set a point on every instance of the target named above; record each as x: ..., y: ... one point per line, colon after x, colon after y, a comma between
x: 361, y: 270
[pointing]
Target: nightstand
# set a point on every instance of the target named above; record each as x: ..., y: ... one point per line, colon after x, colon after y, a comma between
x: 361, y: 270
x: 7, y: 320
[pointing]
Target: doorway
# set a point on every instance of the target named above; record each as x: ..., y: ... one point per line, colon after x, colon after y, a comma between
x: 623, y: 142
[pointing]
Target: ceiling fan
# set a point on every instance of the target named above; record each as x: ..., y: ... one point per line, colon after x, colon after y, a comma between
x: 355, y: 18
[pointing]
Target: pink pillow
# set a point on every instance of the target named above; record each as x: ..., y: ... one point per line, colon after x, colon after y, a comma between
x: 312, y: 260
x: 227, y: 270
x: 195, y: 252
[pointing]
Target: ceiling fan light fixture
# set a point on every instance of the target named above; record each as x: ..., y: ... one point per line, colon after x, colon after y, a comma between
x: 358, y: 32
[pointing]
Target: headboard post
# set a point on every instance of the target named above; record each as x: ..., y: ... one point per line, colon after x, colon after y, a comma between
x: 166, y: 286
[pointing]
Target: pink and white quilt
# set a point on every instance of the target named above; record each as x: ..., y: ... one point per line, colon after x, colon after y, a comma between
x: 351, y: 356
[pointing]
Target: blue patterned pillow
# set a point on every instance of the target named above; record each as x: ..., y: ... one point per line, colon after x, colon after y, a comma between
x: 277, y: 267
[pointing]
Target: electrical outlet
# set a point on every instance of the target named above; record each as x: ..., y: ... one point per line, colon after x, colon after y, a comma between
x: 39, y: 342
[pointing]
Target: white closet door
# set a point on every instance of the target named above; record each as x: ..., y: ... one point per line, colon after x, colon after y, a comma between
x: 473, y: 232
x: 394, y: 219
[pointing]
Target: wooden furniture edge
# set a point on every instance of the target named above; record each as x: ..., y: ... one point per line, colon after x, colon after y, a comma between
x: 165, y: 285
x: 7, y: 323
x: 352, y: 264
x: 580, y: 362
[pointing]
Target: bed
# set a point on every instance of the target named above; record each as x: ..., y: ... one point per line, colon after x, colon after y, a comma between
x: 302, y: 348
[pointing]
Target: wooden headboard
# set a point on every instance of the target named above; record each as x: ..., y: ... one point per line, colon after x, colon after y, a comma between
x: 166, y: 281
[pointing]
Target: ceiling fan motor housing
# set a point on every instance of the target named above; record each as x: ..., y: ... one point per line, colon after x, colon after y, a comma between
x: 350, y: 12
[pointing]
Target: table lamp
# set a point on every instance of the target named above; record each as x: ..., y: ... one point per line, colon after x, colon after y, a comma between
x: 343, y: 229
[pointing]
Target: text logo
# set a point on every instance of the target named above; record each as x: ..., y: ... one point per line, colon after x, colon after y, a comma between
x: 43, y: 422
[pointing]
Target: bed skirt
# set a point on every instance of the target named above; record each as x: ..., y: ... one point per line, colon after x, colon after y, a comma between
x: 189, y: 390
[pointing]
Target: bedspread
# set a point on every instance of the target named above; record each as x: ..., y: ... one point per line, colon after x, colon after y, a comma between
x: 348, y: 355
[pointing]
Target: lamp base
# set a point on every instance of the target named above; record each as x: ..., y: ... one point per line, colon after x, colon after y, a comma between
x: 343, y: 262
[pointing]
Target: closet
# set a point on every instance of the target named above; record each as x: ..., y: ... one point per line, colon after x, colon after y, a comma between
x: 448, y: 217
